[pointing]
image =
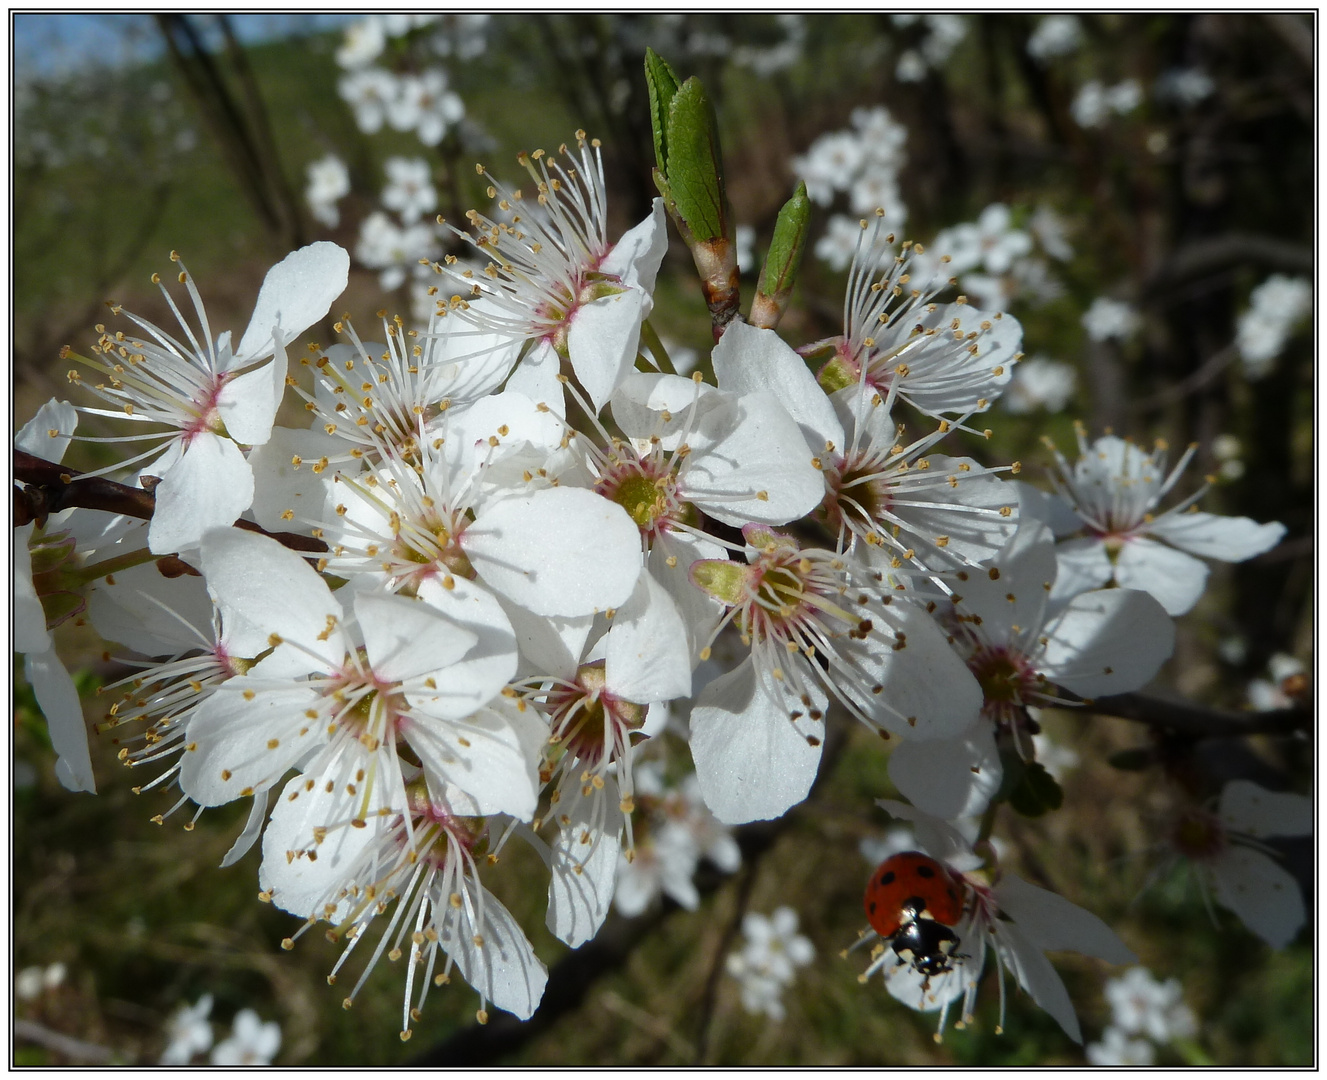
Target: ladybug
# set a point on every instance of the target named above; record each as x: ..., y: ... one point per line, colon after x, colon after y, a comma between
x: 913, y: 902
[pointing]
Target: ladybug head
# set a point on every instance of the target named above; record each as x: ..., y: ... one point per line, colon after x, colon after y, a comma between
x: 927, y: 944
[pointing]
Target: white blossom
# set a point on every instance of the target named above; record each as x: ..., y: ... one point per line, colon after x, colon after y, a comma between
x: 424, y: 104
x: 251, y: 1042
x: 557, y: 280
x: 188, y: 1032
x: 329, y: 181
x: 370, y: 92
x: 768, y: 959
x: 395, y: 251
x: 1276, y: 307
x: 1226, y: 849
x: 1017, y: 921
x: 1108, y: 318
x: 1055, y: 36
x: 1116, y: 1049
x: 364, y: 41
x: 409, y: 189
x: 1095, y: 102
x: 1140, y: 1005
x: 206, y: 396
x: 1186, y: 86
x: 1040, y: 383
x: 1111, y: 497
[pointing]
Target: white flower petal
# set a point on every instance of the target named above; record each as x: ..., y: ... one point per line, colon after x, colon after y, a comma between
x: 642, y: 398
x: 296, y: 293
x: 1231, y: 539
x: 407, y: 638
x: 749, y: 360
x: 560, y: 551
x: 549, y: 645
x: 1022, y: 570
x: 253, y: 827
x: 233, y: 731
x: 152, y: 614
x: 504, y: 969
x: 481, y: 674
x: 584, y: 866
x: 646, y: 658
x: 297, y: 883
x: 30, y: 633
x: 1107, y: 642
x: 1047, y: 507
x: 602, y: 342
x: 491, y: 755
x: 751, y: 762
x: 1081, y: 565
x: 1177, y: 580
x: 1051, y: 922
x: 208, y: 487
x: 247, y: 403
x: 536, y: 377
x: 58, y: 698
x: 936, y: 837
x: 1257, y: 812
x: 271, y: 587
x: 930, y: 691
x: 758, y: 467
x: 280, y: 486
x: 1262, y: 893
x: 1038, y: 978
x: 950, y: 778
x: 35, y: 436
x: 636, y: 257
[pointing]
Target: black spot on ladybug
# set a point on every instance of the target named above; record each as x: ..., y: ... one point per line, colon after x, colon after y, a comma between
x: 925, y: 871
x: 871, y: 907
x: 952, y: 895
x: 887, y: 878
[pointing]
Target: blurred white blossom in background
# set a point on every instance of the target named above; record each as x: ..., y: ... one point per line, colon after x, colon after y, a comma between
x: 1275, y: 308
x: 768, y: 960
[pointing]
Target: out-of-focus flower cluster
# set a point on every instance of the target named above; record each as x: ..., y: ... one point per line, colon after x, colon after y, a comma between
x: 768, y: 960
x: 1144, y: 1014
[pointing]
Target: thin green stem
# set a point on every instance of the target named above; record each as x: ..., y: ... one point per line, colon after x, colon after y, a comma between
x: 651, y: 339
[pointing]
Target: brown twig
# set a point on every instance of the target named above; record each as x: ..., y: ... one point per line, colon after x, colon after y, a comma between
x: 717, y: 964
x: 1199, y: 721
x: 50, y: 487
x: 65, y: 1045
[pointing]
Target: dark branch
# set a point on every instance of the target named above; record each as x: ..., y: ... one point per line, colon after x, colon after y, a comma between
x: 1198, y: 721
x: 50, y: 487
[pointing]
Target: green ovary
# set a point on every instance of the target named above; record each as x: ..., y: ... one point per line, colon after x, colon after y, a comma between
x: 642, y: 499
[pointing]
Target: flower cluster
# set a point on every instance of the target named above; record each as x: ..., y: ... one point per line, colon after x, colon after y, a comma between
x: 768, y: 960
x: 863, y: 161
x: 1276, y: 307
x: 1141, y: 1006
x: 444, y: 614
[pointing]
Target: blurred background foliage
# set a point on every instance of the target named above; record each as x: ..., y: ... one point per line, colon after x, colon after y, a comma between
x: 134, y: 136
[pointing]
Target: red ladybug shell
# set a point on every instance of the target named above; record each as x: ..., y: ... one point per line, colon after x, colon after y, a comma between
x: 908, y: 877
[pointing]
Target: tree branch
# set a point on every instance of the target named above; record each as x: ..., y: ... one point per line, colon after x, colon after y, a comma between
x: 1198, y: 721
x: 50, y: 487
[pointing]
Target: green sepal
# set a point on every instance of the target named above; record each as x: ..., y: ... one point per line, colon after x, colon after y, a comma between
x: 1035, y: 792
x: 785, y: 250
x: 1135, y: 759
x: 721, y: 578
x: 836, y: 375
x: 693, y: 163
x: 662, y: 83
